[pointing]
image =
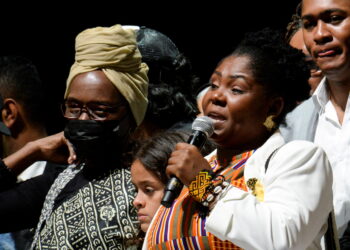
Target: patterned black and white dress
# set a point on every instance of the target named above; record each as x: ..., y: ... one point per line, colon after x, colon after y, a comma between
x: 97, y: 215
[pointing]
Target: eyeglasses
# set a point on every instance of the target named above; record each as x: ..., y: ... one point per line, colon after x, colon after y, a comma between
x: 95, y: 111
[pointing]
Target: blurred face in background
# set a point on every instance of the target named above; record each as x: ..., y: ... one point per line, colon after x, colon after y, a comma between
x: 297, y: 41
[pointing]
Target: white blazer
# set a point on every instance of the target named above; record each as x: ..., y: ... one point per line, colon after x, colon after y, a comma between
x: 297, y: 189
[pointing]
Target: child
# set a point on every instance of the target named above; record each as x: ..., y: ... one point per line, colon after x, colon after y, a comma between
x: 148, y: 172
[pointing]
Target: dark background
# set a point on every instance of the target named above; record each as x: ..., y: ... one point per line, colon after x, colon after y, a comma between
x: 203, y: 32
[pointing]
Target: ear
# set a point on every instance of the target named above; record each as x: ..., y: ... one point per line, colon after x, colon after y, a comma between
x: 10, y: 112
x: 276, y: 106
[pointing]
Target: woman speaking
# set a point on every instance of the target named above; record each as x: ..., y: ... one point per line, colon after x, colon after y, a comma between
x: 254, y: 191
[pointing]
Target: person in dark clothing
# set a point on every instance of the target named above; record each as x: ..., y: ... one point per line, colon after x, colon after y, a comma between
x: 344, y: 241
x: 24, y: 113
x: 105, y: 100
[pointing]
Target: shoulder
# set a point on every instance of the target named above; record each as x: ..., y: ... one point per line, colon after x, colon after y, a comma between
x: 300, y: 148
x: 302, y: 111
x: 301, y: 122
x: 56, y: 168
x: 307, y: 106
x: 276, y: 158
x: 303, y: 157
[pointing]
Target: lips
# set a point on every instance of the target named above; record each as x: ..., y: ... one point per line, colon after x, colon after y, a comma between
x: 216, y: 116
x: 329, y: 52
x: 141, y: 217
x: 218, y: 119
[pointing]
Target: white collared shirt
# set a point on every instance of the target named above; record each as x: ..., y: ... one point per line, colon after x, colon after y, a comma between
x: 334, y: 138
x: 36, y: 169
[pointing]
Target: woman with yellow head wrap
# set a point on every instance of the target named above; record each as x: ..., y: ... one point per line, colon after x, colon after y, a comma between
x: 114, y: 51
x: 89, y: 206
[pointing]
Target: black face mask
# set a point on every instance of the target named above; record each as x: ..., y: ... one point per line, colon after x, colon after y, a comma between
x: 98, y: 140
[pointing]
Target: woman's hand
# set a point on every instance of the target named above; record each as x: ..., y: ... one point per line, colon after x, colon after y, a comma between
x: 186, y: 162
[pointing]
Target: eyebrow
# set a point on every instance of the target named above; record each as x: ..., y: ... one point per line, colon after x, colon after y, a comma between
x: 237, y: 76
x: 217, y: 73
x: 148, y: 182
x: 234, y: 76
x: 323, y: 13
x: 72, y: 99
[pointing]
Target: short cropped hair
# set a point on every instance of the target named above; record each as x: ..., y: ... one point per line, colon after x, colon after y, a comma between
x: 19, y: 79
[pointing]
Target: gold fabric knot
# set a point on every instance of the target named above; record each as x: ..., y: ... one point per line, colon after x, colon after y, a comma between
x: 198, y: 187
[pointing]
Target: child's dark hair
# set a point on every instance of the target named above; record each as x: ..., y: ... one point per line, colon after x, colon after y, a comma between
x: 154, y: 152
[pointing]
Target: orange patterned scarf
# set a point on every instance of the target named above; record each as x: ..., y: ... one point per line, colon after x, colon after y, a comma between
x: 181, y: 227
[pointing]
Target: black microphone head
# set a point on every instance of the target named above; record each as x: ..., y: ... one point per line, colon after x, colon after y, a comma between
x: 204, y: 124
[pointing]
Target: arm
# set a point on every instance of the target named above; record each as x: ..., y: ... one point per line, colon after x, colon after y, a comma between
x: 297, y: 201
x: 54, y: 148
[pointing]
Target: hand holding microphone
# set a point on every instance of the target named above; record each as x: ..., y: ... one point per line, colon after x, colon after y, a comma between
x: 186, y: 161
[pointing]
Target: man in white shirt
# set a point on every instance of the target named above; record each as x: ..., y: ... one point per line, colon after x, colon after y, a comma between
x: 324, y: 118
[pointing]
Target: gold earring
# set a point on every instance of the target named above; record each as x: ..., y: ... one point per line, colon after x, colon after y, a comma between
x: 269, y: 123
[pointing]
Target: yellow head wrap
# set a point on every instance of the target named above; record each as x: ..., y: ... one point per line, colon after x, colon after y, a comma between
x: 114, y: 50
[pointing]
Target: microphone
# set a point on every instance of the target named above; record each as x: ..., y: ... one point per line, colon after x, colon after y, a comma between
x: 202, y: 128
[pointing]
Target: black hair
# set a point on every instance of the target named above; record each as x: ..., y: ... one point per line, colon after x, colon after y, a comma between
x: 169, y: 105
x: 171, y: 80
x: 281, y: 69
x: 171, y: 92
x: 155, y: 151
x: 19, y: 79
x: 294, y: 25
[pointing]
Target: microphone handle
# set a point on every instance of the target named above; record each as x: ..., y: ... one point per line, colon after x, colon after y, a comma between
x: 197, y: 138
x: 174, y: 185
x: 171, y: 191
